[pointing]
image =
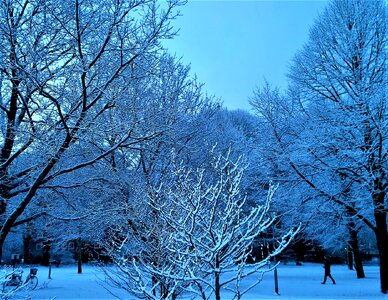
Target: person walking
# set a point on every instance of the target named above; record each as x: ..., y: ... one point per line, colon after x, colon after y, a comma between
x: 327, y: 266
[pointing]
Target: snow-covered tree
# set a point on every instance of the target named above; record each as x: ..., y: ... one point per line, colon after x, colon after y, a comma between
x: 64, y: 66
x: 288, y: 148
x: 289, y: 155
x: 337, y: 142
x: 77, y: 206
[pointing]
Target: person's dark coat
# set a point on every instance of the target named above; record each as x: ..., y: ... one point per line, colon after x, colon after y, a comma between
x: 327, y: 266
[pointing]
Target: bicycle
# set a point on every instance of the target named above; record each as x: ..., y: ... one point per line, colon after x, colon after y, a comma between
x: 13, y: 280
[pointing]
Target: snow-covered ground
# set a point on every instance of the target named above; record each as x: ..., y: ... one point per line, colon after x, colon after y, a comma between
x: 295, y: 282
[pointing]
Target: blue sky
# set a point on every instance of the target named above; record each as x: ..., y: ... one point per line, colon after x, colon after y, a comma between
x: 233, y: 45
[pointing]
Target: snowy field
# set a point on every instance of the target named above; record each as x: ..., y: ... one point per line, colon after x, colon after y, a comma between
x: 295, y: 282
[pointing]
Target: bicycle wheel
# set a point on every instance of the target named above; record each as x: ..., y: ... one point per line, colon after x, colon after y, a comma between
x: 31, y: 283
x: 8, y: 287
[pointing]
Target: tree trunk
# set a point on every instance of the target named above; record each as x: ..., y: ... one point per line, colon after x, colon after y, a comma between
x: 26, y: 248
x: 349, y: 254
x: 350, y: 226
x: 79, y: 254
x: 356, y: 253
x: 358, y: 264
x: 382, y: 246
x: 1, y: 250
x: 217, y: 287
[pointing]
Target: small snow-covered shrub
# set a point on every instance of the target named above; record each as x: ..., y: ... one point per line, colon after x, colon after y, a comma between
x: 196, y: 237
